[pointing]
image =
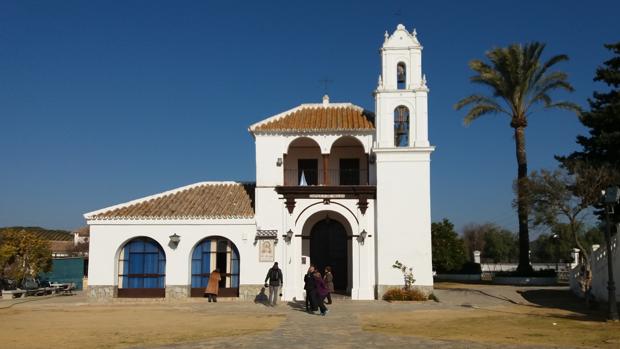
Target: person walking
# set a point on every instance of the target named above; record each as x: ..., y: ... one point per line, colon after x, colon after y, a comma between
x: 213, y: 286
x: 310, y: 287
x: 274, y: 275
x: 321, y: 292
x: 328, y: 278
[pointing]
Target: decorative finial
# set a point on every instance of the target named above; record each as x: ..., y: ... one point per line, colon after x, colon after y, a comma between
x: 401, y: 27
x: 424, y: 80
x: 414, y: 32
x: 325, y: 100
x: 386, y: 35
x: 380, y: 82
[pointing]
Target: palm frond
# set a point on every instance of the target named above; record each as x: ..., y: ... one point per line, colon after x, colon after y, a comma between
x: 479, y: 110
x: 566, y: 106
x: 516, y: 76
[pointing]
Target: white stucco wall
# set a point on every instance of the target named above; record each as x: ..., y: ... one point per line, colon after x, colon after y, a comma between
x: 107, y: 239
x: 600, y: 275
x: 403, y: 215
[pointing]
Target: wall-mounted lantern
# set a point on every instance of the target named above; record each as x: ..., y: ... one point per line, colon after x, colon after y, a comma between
x: 174, y: 240
x: 279, y: 162
x: 288, y: 236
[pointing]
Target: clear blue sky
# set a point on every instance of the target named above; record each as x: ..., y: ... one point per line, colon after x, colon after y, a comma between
x: 107, y: 101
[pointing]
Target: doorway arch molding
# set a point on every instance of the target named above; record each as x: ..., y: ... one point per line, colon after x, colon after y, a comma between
x: 309, y: 216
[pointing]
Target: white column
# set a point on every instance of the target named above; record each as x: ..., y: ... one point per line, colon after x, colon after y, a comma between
x: 419, y: 132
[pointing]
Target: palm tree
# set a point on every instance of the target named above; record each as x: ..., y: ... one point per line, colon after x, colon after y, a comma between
x: 519, y: 82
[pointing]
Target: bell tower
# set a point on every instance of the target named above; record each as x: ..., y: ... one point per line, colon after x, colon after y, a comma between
x: 401, y: 95
x: 402, y: 154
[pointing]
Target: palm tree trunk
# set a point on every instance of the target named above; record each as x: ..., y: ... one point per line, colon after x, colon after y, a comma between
x: 522, y: 209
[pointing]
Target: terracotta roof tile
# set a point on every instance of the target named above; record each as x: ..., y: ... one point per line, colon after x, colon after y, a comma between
x: 317, y: 117
x: 204, y: 200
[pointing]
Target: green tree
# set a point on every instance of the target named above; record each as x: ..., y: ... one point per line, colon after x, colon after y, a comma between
x: 23, y: 254
x: 519, y: 82
x: 448, y: 248
x: 602, y: 147
x: 500, y: 245
x: 561, y: 200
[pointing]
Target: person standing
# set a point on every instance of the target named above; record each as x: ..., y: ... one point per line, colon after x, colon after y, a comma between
x: 310, y: 287
x: 328, y: 278
x: 321, y: 292
x: 274, y: 275
x: 213, y: 286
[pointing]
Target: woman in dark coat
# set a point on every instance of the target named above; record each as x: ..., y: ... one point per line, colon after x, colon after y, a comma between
x: 321, y: 293
x: 310, y: 287
x: 213, y: 286
x: 328, y: 278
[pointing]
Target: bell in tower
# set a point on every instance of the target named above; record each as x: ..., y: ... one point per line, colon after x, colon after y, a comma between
x: 401, y: 76
x: 401, y: 126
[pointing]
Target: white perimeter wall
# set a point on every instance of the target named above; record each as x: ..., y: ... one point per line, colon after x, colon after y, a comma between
x: 598, y: 260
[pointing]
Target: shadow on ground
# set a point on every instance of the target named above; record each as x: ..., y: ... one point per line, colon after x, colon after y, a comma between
x: 564, y: 299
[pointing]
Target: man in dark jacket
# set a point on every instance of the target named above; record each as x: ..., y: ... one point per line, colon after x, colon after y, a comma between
x: 274, y: 275
x: 310, y: 287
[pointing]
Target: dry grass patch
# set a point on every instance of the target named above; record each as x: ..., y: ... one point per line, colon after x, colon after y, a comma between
x: 507, y: 324
x: 123, y: 326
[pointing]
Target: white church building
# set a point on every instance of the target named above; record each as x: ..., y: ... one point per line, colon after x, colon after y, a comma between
x: 336, y: 185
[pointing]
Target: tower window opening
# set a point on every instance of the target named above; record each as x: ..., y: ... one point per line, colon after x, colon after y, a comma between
x: 401, y: 76
x: 401, y: 126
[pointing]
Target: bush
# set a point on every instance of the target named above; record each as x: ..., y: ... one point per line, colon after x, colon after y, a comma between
x: 399, y: 294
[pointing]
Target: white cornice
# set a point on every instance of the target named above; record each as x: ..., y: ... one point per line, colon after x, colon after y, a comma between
x: 174, y: 221
x: 429, y: 149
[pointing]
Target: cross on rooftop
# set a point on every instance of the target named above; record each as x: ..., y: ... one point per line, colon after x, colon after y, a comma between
x: 325, y: 81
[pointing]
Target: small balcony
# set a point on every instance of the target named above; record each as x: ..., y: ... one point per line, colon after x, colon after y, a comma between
x: 316, y: 177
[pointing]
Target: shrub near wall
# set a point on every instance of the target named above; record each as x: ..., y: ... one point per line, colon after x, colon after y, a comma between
x: 399, y: 294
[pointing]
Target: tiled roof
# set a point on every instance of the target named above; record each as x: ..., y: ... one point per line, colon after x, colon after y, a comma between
x: 41, y: 233
x: 266, y: 234
x: 83, y: 231
x: 319, y: 117
x: 61, y: 246
x: 207, y: 200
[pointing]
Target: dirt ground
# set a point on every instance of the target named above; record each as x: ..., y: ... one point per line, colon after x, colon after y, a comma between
x: 512, y: 324
x: 118, y: 326
x: 465, y: 316
x: 480, y: 313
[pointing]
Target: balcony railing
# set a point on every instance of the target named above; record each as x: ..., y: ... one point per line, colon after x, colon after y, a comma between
x: 293, y: 177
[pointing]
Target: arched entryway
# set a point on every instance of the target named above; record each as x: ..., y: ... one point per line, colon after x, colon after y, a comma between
x: 211, y: 253
x: 142, y: 269
x: 330, y: 246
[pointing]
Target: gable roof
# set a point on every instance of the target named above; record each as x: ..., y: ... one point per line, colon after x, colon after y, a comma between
x: 318, y: 118
x: 204, y: 200
x: 401, y: 39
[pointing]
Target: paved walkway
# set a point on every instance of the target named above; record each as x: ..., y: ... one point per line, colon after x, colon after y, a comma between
x: 341, y: 327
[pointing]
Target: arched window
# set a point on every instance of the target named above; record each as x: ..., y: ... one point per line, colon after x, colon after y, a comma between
x: 212, y: 253
x: 401, y: 76
x: 142, y: 265
x: 401, y: 126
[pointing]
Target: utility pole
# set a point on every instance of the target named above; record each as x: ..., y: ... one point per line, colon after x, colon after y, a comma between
x: 610, y: 198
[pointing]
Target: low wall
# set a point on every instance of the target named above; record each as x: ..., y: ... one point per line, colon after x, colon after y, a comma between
x: 524, y: 280
x: 458, y: 277
x: 598, y: 262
